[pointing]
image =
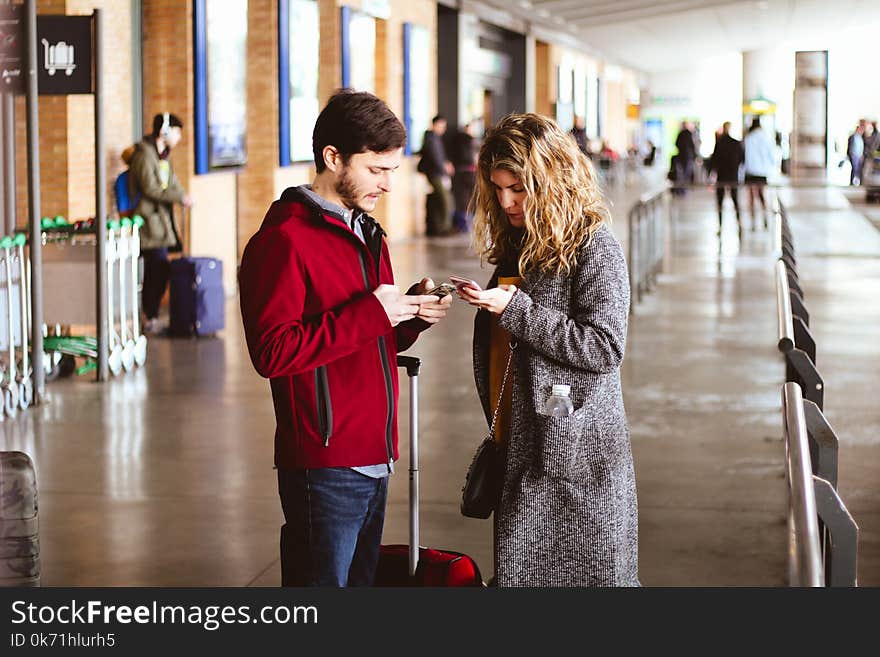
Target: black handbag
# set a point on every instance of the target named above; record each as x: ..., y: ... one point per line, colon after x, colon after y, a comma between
x: 481, y: 492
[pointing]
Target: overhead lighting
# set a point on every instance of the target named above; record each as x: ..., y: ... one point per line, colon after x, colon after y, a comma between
x: 763, y: 5
x: 543, y: 13
x: 525, y: 4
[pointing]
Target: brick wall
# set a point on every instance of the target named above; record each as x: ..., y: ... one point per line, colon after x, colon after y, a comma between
x: 402, y: 213
x: 256, y: 183
x: 67, y: 137
x: 168, y: 74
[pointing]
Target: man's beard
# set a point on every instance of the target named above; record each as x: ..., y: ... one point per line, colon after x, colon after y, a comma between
x: 346, y: 190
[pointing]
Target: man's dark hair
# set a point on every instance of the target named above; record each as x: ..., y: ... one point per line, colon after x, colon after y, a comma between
x: 356, y: 122
x: 439, y: 117
x: 159, y: 121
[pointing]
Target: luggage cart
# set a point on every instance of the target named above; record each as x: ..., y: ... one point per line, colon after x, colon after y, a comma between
x: 25, y: 371
x: 9, y: 384
x: 140, y: 340
x: 114, y: 344
x: 73, y: 257
x: 123, y: 251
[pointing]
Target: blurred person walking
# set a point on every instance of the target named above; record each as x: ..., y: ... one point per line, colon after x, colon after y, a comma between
x: 855, y: 152
x: 464, y: 159
x: 725, y: 162
x: 683, y: 161
x: 760, y: 163
x: 438, y: 170
x: 871, y: 153
x: 579, y: 132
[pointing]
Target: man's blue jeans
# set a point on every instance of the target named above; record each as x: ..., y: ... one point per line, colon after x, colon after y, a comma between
x: 334, y: 519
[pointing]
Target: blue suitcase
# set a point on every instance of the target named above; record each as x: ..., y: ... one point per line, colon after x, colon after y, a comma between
x: 198, y: 304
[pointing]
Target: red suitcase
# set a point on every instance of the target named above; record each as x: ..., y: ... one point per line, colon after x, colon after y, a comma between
x: 402, y: 565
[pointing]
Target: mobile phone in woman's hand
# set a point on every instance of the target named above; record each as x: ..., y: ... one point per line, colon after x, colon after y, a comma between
x: 460, y: 282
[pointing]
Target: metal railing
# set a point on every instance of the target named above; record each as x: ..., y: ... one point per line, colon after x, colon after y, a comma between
x: 823, y: 537
x: 647, y: 242
x: 804, y: 552
x: 783, y: 310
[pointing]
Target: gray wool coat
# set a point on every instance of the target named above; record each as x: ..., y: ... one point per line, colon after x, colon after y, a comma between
x: 568, y: 512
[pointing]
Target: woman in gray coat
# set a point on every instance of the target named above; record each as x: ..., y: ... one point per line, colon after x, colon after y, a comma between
x: 558, y: 302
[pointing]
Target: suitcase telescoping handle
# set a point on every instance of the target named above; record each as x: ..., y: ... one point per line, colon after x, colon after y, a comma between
x: 412, y: 365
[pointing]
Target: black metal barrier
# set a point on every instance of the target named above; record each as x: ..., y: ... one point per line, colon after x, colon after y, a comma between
x: 823, y: 548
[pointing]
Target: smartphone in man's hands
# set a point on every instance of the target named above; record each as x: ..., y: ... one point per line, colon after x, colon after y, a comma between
x: 442, y: 290
x: 460, y: 282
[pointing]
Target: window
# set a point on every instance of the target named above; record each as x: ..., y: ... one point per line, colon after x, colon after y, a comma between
x: 416, y: 70
x: 359, y: 37
x: 221, y: 83
x: 299, y: 42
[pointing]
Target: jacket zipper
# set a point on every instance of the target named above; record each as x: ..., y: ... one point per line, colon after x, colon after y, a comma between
x: 383, y: 355
x: 323, y: 404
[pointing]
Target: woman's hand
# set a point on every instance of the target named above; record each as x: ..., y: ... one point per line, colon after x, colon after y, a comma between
x: 494, y: 300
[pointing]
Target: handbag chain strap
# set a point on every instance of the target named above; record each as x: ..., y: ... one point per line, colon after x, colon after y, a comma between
x: 525, y: 289
x: 501, y: 394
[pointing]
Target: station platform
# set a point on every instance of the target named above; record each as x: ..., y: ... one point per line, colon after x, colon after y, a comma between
x: 164, y: 476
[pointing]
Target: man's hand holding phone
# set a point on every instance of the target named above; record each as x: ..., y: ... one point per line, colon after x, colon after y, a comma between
x: 440, y: 300
x: 403, y: 307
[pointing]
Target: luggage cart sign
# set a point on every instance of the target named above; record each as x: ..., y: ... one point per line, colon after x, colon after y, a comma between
x: 12, y: 60
x: 64, y: 55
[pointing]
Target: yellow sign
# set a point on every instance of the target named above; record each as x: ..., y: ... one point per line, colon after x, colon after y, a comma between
x: 632, y: 111
x: 759, y: 106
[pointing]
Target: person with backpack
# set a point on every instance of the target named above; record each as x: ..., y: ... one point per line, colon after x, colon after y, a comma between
x: 152, y: 180
x: 125, y: 204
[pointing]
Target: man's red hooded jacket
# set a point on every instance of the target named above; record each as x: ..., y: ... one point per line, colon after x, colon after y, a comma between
x: 315, y: 329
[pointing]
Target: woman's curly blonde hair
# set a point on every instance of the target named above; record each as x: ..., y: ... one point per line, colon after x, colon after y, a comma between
x: 563, y: 206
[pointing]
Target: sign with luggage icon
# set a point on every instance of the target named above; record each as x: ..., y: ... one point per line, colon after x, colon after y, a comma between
x: 58, y: 57
x: 65, y: 43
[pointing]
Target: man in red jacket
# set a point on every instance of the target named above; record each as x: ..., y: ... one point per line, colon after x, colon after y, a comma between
x: 324, y: 322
